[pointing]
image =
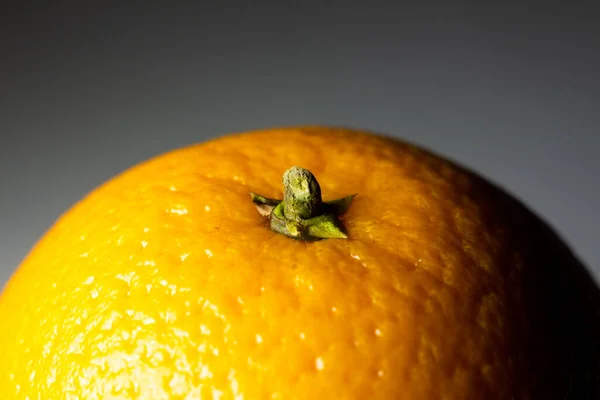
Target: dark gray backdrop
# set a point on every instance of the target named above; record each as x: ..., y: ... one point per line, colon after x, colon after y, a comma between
x: 90, y: 88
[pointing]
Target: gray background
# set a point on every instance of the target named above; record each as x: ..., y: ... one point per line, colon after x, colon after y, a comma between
x: 90, y: 88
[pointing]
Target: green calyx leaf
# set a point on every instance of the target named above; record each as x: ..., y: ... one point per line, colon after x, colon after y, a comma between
x: 326, y: 226
x: 339, y: 206
x: 264, y: 205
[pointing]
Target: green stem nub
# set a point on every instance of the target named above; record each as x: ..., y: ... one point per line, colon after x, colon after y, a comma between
x: 302, y: 214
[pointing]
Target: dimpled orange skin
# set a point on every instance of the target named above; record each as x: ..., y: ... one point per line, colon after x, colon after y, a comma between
x: 165, y: 283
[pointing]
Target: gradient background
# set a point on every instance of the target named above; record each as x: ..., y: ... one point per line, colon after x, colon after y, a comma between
x: 90, y: 88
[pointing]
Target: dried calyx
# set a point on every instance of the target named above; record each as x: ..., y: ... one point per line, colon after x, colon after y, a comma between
x: 302, y: 214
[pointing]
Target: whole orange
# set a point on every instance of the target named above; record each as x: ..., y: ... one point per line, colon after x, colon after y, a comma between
x: 167, y: 283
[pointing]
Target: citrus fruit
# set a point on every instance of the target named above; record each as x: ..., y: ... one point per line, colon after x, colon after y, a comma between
x: 375, y: 270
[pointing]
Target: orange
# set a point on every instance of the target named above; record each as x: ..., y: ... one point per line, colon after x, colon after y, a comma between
x: 167, y: 283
